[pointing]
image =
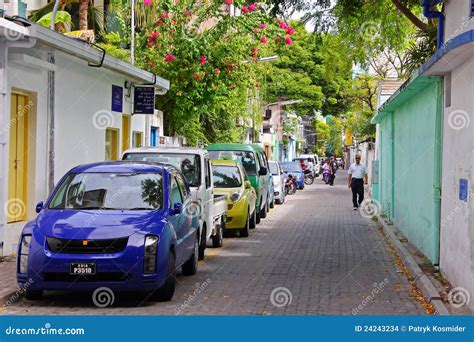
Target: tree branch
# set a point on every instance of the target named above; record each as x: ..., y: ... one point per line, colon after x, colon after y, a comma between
x: 410, y: 15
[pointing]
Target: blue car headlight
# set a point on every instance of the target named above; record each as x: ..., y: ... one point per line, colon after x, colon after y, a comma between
x: 24, y: 253
x: 151, y: 249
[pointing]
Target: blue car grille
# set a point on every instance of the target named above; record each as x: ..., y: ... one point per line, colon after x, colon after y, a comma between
x: 69, y: 246
x: 103, y: 276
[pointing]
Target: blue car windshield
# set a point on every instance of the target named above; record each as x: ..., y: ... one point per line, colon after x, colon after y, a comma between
x: 226, y: 176
x: 109, y: 191
x: 293, y: 167
x: 247, y: 159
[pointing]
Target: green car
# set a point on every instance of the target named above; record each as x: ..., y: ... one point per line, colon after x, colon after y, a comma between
x: 254, y: 161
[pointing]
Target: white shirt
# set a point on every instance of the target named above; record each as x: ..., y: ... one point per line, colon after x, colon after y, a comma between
x: 357, y: 171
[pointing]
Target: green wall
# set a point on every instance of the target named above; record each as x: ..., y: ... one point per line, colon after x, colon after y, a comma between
x: 410, y: 147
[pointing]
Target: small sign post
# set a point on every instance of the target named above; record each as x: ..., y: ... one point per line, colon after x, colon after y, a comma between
x: 143, y: 100
x: 117, y: 98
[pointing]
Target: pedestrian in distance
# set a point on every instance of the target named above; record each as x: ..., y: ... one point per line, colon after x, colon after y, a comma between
x: 357, y: 178
x: 332, y: 168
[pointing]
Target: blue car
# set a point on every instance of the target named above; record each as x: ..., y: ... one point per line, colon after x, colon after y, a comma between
x: 122, y: 225
x: 296, y: 171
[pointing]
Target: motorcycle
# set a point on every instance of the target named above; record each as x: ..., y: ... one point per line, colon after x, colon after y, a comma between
x: 326, y: 176
x: 290, y: 185
x: 308, y: 178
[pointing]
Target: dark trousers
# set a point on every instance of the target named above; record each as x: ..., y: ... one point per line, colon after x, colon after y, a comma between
x: 357, y: 186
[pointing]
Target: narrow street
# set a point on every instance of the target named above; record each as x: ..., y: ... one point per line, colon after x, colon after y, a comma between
x: 312, y: 256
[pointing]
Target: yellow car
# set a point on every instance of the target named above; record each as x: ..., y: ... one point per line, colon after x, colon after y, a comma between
x: 230, y: 179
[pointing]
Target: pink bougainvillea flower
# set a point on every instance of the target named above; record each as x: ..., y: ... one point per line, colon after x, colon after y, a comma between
x: 244, y: 9
x: 164, y: 15
x: 264, y: 40
x: 283, y: 25
x: 196, y: 77
x: 252, y: 7
x: 170, y: 58
x: 203, y: 60
x: 261, y: 26
x: 153, y: 35
x: 290, y: 31
x: 218, y: 71
x: 255, y: 30
x: 152, y: 65
x: 277, y: 39
x: 288, y: 41
x: 187, y: 13
x: 159, y: 22
x: 228, y: 2
x: 147, y: 2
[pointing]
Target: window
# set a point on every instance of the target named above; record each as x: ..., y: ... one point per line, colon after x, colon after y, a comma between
x: 188, y: 164
x: 247, y: 159
x: 472, y: 8
x: 208, y: 173
x: 109, y: 191
x: 125, y: 132
x: 226, y: 176
x: 182, y: 186
x: 137, y: 139
x: 111, y: 144
x: 175, y: 193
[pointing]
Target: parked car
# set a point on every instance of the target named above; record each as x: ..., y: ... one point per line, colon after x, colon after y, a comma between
x: 230, y: 179
x: 195, y: 165
x: 294, y: 169
x: 114, y: 224
x: 252, y: 159
x: 278, y: 181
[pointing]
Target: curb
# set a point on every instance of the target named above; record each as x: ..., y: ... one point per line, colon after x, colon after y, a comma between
x: 421, y: 279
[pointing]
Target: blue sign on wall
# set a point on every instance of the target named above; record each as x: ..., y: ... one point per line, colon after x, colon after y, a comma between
x: 143, y: 100
x: 463, y: 190
x: 117, y: 98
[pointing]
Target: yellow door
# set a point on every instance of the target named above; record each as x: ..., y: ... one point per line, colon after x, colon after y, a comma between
x: 125, y: 132
x: 18, y: 159
x: 111, y: 144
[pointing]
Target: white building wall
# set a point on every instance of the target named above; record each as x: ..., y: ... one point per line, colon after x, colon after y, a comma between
x: 458, y: 18
x: 457, y: 224
x: 80, y: 92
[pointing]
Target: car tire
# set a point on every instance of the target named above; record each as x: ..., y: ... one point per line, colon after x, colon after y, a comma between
x: 253, y: 220
x: 166, y: 291
x: 263, y: 212
x: 202, y: 244
x: 244, y: 232
x: 258, y: 214
x: 218, y: 239
x: 190, y: 267
x: 272, y: 204
x: 33, y: 294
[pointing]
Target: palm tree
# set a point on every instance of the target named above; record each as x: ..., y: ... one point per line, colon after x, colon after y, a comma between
x: 83, y: 9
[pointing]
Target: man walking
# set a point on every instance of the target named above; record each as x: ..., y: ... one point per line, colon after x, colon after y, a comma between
x: 357, y: 175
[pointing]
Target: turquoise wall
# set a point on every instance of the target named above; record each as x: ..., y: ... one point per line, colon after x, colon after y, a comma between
x: 410, y: 164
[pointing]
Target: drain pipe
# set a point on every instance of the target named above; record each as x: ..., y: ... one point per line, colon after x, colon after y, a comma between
x: 430, y: 14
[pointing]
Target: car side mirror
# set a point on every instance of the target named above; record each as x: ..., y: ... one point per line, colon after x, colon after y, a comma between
x: 39, y: 206
x: 177, y: 208
x: 248, y: 185
x: 263, y: 171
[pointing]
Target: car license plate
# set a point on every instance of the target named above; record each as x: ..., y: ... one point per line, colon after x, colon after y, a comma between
x: 82, y: 268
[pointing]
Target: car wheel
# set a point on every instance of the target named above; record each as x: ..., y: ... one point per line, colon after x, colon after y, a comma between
x: 244, y: 232
x: 218, y: 239
x: 258, y: 214
x: 190, y: 267
x: 33, y: 294
x: 272, y: 204
x: 253, y: 220
x: 202, y: 244
x: 263, y: 212
x: 165, y: 292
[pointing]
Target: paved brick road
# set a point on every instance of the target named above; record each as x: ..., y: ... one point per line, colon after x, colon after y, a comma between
x: 314, y: 250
